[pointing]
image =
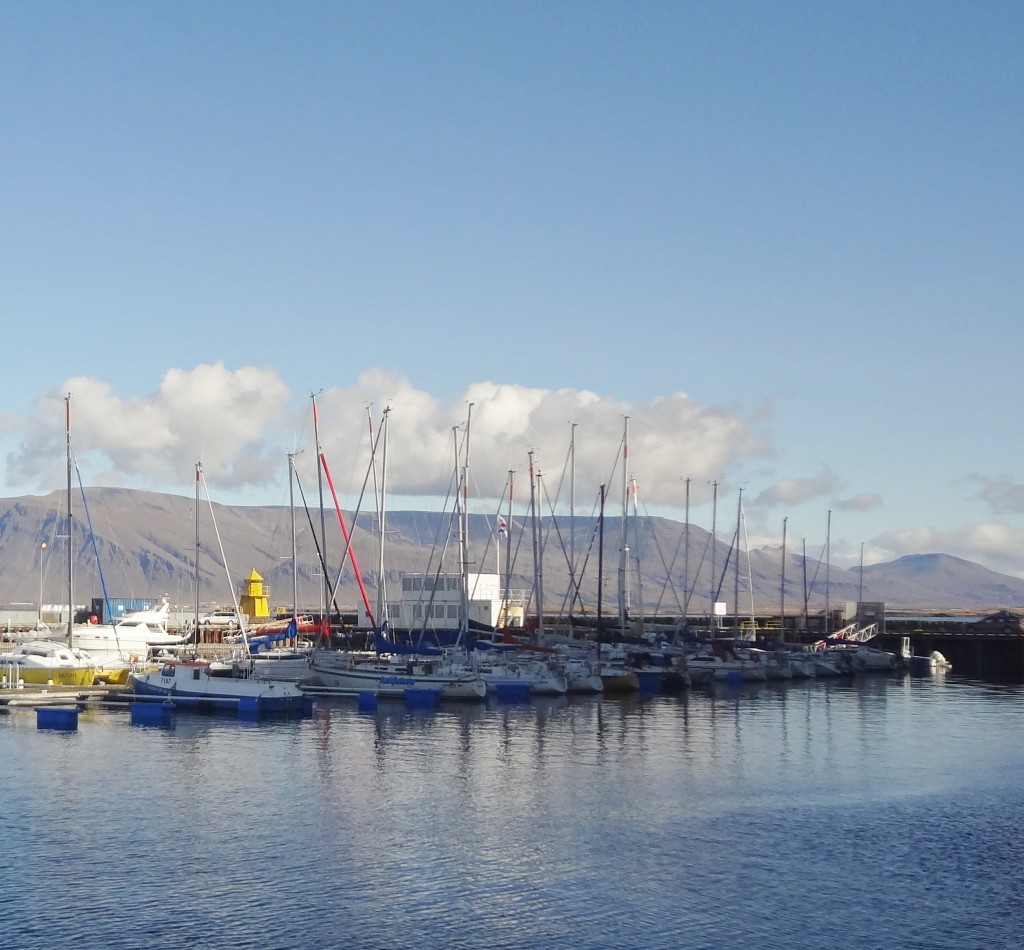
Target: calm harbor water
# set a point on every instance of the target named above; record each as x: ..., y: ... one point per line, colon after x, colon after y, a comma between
x: 880, y: 813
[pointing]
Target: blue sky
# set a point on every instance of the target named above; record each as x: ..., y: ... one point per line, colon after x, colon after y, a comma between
x: 785, y: 239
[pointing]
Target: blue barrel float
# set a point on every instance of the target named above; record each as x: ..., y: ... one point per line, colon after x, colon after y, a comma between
x: 64, y: 718
x: 366, y: 701
x: 512, y: 692
x: 153, y: 714
x: 649, y: 681
x: 422, y: 698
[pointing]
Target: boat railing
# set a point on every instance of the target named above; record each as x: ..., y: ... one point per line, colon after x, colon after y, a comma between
x: 10, y: 677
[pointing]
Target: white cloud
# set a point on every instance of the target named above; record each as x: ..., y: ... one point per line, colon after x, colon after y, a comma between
x: 992, y: 543
x: 795, y: 491
x: 241, y: 423
x: 226, y: 418
x: 1003, y: 495
x: 862, y: 501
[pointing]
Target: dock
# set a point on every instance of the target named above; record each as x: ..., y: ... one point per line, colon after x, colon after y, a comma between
x: 65, y: 696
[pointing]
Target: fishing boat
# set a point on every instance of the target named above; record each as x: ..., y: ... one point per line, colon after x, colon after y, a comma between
x: 191, y: 682
x: 47, y: 662
x: 199, y: 681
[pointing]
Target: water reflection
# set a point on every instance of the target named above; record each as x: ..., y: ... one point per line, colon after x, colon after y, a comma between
x: 573, y: 822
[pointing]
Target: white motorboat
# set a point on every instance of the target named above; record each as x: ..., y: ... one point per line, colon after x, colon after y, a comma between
x: 46, y: 662
x: 133, y: 638
x: 934, y: 662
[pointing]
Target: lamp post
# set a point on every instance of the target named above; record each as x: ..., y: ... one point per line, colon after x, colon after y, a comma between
x: 42, y: 551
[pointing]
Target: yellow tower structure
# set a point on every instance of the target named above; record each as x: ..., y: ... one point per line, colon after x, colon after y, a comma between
x: 255, y: 599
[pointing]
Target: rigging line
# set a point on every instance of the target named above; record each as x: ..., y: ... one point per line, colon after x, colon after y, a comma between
x: 316, y: 544
x: 224, y: 561
x: 581, y: 573
x: 696, y: 573
x: 553, y: 527
x: 725, y: 566
x: 349, y: 551
x: 323, y: 467
x: 99, y: 565
x: 490, y: 529
x: 810, y: 589
x: 746, y: 547
x: 515, y: 550
x: 594, y: 535
x: 669, y: 583
x: 439, y: 532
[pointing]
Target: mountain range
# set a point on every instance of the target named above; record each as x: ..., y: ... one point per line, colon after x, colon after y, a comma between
x: 141, y: 544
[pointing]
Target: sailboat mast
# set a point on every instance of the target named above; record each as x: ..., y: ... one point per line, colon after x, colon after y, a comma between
x: 508, y: 553
x: 714, y: 553
x: 686, y: 554
x: 465, y: 522
x: 636, y: 552
x: 572, y: 512
x: 623, y: 550
x: 782, y: 586
x: 860, y: 587
x: 295, y: 560
x: 199, y: 469
x: 806, y: 594
x: 828, y: 561
x: 538, y: 571
x: 382, y: 592
x: 324, y: 592
x: 736, y: 565
x: 71, y: 534
x: 600, y: 566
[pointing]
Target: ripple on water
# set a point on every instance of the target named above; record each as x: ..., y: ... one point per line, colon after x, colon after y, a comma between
x: 807, y: 815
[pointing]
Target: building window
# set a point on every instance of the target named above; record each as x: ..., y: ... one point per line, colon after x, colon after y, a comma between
x: 453, y: 611
x: 417, y: 612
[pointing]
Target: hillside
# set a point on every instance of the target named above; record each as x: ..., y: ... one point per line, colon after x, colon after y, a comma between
x: 146, y: 544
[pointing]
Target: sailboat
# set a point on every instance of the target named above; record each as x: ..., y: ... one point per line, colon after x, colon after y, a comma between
x: 115, y: 647
x: 195, y: 681
x: 269, y: 658
x: 44, y: 661
x: 395, y: 669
